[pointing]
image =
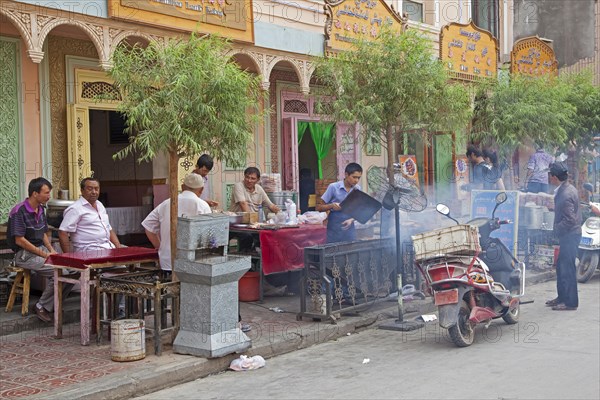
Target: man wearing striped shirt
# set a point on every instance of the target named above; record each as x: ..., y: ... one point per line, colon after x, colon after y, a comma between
x: 27, y: 235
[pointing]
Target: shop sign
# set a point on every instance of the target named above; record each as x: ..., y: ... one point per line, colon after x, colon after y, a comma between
x: 228, y: 18
x: 468, y: 51
x: 533, y: 57
x: 350, y: 21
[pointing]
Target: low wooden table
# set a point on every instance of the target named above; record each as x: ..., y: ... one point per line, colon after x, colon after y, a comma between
x: 89, y: 264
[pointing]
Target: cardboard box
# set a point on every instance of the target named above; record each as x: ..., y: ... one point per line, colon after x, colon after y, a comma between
x: 249, y: 217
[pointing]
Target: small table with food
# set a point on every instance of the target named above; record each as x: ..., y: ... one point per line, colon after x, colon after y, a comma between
x: 88, y: 265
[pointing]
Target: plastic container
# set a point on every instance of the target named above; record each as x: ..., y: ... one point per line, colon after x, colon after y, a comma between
x: 455, y: 240
x: 292, y: 215
x: 261, y: 214
x: 249, y: 286
x: 128, y: 340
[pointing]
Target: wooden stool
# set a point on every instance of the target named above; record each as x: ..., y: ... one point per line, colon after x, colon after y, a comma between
x: 20, y: 286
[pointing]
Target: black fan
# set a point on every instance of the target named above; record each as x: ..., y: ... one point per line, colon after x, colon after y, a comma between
x: 404, y: 195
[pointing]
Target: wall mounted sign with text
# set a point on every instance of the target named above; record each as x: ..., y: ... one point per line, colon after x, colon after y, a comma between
x: 349, y: 21
x: 533, y: 57
x: 229, y: 18
x: 468, y: 51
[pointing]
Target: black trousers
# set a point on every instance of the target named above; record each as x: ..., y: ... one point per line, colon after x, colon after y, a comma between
x: 566, y: 279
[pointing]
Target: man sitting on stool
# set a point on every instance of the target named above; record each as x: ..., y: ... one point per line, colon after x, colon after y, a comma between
x: 27, y: 236
x: 158, y: 223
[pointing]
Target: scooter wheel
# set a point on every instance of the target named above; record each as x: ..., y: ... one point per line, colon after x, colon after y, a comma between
x: 512, y: 317
x: 587, y: 266
x: 463, y: 333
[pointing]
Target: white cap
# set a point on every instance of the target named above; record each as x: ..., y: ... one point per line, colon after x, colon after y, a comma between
x: 193, y: 181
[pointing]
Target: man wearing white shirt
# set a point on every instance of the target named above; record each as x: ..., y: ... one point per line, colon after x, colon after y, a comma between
x: 85, y: 224
x: 157, y: 223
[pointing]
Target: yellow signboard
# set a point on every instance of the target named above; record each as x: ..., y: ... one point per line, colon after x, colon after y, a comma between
x: 348, y: 21
x: 468, y: 51
x: 531, y: 56
x: 228, y: 18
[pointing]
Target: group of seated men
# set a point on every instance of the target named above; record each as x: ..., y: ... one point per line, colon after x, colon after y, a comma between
x: 86, y: 226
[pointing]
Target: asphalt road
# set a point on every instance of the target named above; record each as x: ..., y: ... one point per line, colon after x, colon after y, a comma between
x: 547, y: 355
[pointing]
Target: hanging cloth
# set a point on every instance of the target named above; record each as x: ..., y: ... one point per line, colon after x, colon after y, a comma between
x: 323, y: 135
x: 302, y: 126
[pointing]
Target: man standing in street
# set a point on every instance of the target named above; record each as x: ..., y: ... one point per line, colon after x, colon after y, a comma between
x: 28, y: 238
x: 567, y: 228
x: 85, y: 222
x: 340, y: 226
x: 203, y: 167
x: 537, y: 171
x: 158, y: 223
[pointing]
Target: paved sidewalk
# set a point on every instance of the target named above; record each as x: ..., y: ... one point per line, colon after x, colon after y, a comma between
x: 33, y: 363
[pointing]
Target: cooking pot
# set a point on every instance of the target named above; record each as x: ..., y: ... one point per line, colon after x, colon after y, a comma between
x: 548, y: 220
x: 236, y: 219
x: 533, y: 217
x: 279, y: 198
x: 54, y: 211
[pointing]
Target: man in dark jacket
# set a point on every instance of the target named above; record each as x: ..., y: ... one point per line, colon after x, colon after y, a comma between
x: 567, y: 228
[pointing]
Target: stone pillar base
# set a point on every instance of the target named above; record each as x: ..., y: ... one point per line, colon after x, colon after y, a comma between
x: 211, y: 346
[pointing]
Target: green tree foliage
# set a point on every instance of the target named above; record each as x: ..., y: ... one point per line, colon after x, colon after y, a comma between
x: 512, y: 110
x: 553, y: 112
x: 585, y: 97
x: 392, y: 85
x: 185, y: 97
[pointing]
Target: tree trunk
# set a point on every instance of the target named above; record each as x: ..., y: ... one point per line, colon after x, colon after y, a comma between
x: 173, y: 190
x: 389, y: 139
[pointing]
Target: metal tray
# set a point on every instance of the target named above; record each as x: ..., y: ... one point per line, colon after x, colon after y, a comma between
x: 360, y: 206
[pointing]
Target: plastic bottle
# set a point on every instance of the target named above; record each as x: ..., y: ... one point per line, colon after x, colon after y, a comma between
x: 293, y: 218
x: 261, y: 215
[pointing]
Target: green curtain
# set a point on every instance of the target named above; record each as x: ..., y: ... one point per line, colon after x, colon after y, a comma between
x: 323, y: 136
x: 302, y: 125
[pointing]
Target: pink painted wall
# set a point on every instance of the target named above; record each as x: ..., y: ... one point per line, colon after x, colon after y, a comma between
x: 30, y: 109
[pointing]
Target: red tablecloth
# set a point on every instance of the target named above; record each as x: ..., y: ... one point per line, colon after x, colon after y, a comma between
x: 283, y: 249
x: 122, y: 255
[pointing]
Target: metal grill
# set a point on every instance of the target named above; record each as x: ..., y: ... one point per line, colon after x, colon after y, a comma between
x: 344, y: 277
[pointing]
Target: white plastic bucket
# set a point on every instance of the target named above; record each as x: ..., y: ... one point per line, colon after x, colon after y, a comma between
x: 128, y: 340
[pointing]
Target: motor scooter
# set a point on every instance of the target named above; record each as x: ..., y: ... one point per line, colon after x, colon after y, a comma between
x: 474, y: 285
x: 589, y: 247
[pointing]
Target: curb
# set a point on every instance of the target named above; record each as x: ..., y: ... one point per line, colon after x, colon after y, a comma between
x: 189, y: 368
x: 179, y: 369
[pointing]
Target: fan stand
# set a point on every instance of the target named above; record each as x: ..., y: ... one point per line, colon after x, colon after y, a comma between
x: 400, y: 324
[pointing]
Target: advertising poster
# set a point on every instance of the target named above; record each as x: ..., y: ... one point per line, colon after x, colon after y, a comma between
x: 408, y: 166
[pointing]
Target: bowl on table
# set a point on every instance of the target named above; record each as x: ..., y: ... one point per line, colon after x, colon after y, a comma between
x: 235, y: 219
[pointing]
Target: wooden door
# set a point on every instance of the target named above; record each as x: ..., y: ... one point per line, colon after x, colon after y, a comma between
x: 289, y: 152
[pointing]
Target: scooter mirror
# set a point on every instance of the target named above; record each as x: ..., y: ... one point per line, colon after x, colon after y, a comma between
x: 501, y: 197
x: 588, y: 186
x: 442, y: 209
